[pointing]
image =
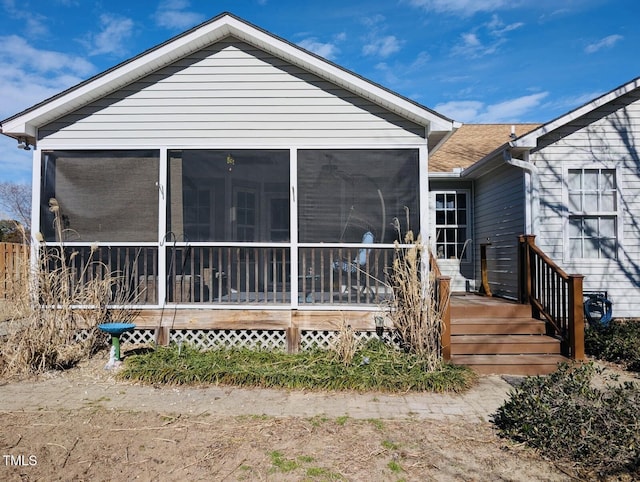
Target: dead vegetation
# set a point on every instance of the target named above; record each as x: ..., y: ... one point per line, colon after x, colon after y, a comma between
x: 414, y: 310
x: 57, y: 309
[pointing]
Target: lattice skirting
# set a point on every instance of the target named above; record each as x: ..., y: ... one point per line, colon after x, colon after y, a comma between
x: 254, y: 339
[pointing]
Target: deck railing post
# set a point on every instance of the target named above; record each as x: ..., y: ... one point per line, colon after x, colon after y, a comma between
x: 484, y: 273
x: 444, y: 308
x: 576, y: 318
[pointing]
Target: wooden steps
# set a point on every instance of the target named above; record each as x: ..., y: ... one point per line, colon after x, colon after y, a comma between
x: 491, y: 335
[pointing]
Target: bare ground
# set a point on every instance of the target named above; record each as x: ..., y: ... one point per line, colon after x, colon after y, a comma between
x: 98, y: 443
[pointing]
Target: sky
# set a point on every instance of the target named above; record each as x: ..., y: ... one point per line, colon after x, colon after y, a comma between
x: 475, y: 61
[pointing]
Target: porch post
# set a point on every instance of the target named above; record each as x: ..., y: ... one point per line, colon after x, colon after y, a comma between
x: 293, y: 230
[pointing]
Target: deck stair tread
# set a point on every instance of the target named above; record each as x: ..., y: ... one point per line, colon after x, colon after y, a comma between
x: 498, y: 336
x: 493, y: 325
x: 526, y: 365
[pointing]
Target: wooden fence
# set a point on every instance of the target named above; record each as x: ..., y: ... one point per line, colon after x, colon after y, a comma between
x: 14, y: 268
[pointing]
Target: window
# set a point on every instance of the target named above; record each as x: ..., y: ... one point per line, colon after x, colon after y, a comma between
x: 451, y: 225
x: 592, y: 213
x: 245, y: 215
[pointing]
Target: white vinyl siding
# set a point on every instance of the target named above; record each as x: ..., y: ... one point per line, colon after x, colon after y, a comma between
x: 499, y: 206
x: 606, y: 138
x: 231, y: 93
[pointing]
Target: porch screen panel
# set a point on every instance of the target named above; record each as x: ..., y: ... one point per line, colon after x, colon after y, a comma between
x: 102, y: 196
x: 228, y: 195
x: 345, y: 193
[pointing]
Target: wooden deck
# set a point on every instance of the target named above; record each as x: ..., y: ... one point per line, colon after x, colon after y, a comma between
x: 490, y: 335
x: 493, y: 335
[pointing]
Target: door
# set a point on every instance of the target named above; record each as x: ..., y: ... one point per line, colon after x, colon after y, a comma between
x: 453, y: 246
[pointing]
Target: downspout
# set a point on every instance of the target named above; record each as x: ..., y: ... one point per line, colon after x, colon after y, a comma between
x: 530, y: 185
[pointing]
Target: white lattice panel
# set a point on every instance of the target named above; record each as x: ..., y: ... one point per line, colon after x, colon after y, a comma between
x: 327, y: 339
x: 260, y: 339
x: 323, y: 340
x: 81, y: 335
x: 138, y: 337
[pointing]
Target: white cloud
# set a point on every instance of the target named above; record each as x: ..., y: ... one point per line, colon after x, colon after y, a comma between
x: 326, y: 50
x: 497, y: 27
x: 382, y: 46
x: 462, y: 7
x: 512, y: 110
x: 460, y: 110
x: 485, y: 39
x: 605, y: 43
x: 16, y: 52
x: 114, y: 33
x: 376, y: 42
x: 173, y: 14
x: 29, y: 75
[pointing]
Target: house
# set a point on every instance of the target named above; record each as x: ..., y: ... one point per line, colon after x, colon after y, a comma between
x: 572, y: 182
x: 238, y: 184
x: 247, y: 190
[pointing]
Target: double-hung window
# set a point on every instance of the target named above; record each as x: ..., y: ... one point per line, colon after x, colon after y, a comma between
x: 593, y: 213
x: 451, y: 225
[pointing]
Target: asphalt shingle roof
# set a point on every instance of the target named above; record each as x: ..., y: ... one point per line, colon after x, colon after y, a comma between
x: 472, y: 142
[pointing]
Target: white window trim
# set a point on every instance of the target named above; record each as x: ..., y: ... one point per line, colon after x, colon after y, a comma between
x: 468, y: 253
x: 566, y: 212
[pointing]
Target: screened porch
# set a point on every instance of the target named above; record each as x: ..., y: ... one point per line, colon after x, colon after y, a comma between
x: 220, y: 228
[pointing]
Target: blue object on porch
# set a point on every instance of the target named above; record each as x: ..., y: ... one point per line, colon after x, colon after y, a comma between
x: 115, y: 330
x: 360, y: 260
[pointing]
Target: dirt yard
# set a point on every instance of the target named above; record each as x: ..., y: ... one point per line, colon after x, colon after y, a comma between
x: 98, y: 443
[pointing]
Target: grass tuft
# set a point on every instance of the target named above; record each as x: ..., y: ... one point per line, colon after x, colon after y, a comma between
x: 386, y: 369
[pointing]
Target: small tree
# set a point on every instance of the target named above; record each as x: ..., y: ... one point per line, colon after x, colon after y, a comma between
x: 12, y: 231
x: 15, y: 202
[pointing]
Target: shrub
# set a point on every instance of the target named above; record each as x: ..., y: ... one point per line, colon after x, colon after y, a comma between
x: 618, y: 342
x: 565, y: 417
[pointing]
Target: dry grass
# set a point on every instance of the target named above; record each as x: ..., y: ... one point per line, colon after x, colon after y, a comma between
x: 346, y: 344
x: 53, y: 306
x: 414, y: 309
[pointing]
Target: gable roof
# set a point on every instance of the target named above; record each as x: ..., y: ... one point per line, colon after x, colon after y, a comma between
x: 471, y: 143
x: 26, y: 123
x: 530, y: 140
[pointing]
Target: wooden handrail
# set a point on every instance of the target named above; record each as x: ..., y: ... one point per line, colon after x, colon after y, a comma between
x: 553, y: 295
